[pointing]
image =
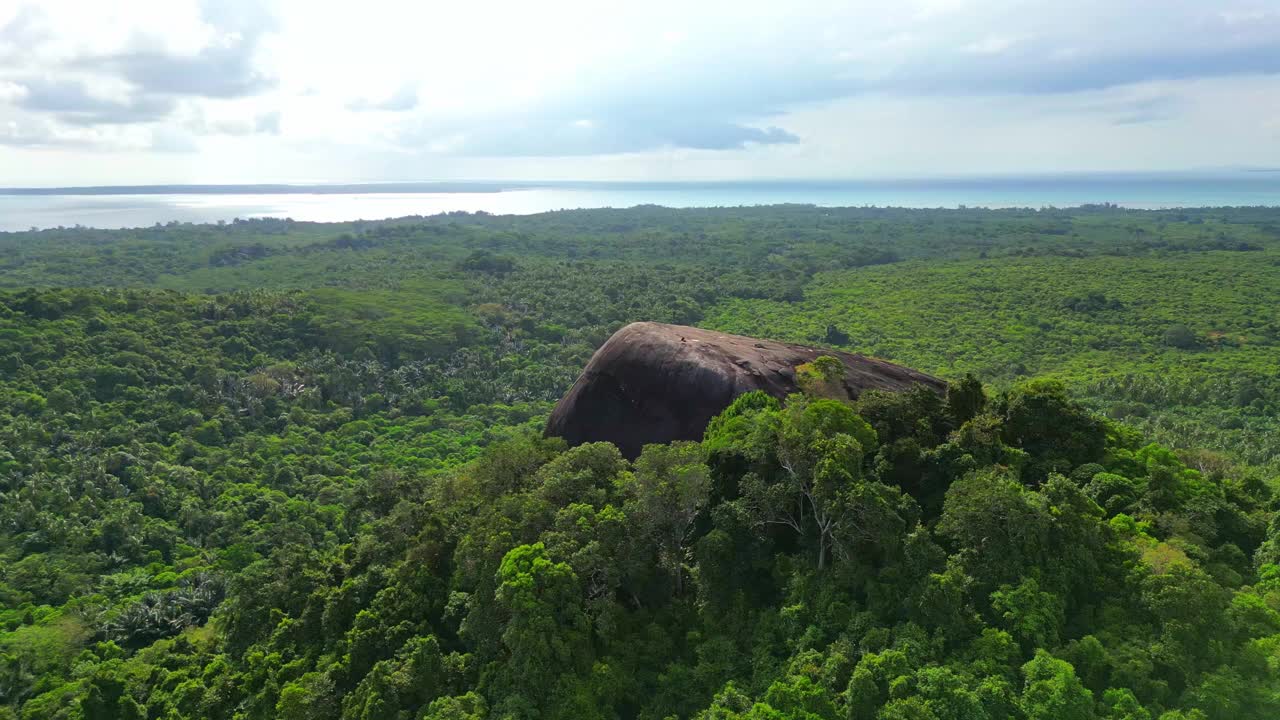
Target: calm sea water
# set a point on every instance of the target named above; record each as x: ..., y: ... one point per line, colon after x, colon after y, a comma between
x: 20, y: 212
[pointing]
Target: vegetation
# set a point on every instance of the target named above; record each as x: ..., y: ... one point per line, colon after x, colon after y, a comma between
x: 288, y: 470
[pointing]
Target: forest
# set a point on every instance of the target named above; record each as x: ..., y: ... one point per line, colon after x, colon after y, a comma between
x: 278, y: 469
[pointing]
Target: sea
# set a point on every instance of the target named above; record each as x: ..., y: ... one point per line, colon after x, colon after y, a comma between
x: 140, y: 206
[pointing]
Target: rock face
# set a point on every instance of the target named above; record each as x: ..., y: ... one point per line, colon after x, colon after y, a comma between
x: 655, y: 383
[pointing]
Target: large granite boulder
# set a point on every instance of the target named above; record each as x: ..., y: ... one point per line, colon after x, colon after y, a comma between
x: 655, y: 383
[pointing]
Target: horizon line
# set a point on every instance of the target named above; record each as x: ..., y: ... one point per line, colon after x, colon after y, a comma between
x: 1246, y: 174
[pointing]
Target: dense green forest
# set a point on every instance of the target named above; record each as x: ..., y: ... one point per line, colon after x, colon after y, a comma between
x: 274, y: 469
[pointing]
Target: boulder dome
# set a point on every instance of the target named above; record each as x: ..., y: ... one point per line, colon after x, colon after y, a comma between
x: 655, y: 383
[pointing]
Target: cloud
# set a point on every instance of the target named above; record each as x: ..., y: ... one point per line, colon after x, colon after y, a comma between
x: 239, y: 122
x: 14, y: 134
x: 267, y: 123
x: 1041, y: 70
x: 72, y: 102
x: 21, y: 30
x: 217, y: 72
x: 406, y: 98
x: 165, y: 139
x: 1148, y: 110
x: 715, y: 87
x: 563, y: 79
x: 11, y: 92
x: 550, y: 137
x: 990, y: 45
x: 40, y: 133
x: 1036, y: 60
x: 82, y: 81
x: 225, y: 67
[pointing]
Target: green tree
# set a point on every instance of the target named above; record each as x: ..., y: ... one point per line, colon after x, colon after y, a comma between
x: 1058, y: 433
x: 396, y: 687
x: 1034, y: 617
x: 966, y: 399
x: 821, y: 490
x: 1180, y: 336
x: 546, y: 631
x: 1053, y: 692
x: 310, y: 697
x: 822, y: 378
x: 108, y: 696
x: 1000, y: 528
x: 1121, y: 704
x: 470, y: 706
x: 670, y: 489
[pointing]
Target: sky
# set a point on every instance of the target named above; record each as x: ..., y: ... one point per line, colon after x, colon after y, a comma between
x: 232, y: 91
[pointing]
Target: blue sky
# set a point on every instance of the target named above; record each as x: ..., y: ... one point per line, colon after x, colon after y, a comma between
x: 295, y: 90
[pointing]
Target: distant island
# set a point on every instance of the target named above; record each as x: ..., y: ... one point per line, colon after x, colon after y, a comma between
x: 273, y: 189
x: 1249, y: 180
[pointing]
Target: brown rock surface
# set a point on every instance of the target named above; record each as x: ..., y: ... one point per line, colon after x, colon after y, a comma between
x: 655, y: 383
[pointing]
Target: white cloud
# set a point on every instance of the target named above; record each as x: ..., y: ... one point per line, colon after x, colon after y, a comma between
x: 990, y: 45
x: 405, y: 98
x: 11, y: 92
x: 297, y: 89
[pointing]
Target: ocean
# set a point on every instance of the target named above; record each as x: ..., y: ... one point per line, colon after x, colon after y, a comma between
x: 138, y: 207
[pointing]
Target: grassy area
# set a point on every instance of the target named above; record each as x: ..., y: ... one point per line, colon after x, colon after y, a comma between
x: 1101, y: 324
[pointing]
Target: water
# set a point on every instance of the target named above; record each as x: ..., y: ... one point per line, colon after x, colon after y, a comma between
x: 20, y: 212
